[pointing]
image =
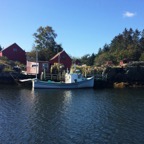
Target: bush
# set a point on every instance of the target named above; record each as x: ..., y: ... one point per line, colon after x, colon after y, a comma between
x: 4, y: 58
x: 7, y: 69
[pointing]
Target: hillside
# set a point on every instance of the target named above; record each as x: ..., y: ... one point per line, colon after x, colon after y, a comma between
x: 8, y: 65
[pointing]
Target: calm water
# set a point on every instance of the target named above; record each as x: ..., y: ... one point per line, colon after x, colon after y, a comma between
x: 85, y: 116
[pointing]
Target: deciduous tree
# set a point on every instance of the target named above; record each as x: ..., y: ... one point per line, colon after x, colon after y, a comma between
x: 45, y: 43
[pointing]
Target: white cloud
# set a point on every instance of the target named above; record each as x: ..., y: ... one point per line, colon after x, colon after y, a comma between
x: 129, y: 14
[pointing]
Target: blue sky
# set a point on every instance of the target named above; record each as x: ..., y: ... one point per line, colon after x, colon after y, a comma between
x: 82, y: 26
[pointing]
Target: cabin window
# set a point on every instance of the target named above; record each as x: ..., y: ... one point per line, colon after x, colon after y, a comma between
x: 63, y: 57
x: 79, y: 76
x: 45, y: 66
x: 15, y: 49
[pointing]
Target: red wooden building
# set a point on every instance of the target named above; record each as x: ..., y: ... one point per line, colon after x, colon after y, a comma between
x: 124, y: 62
x: 15, y: 53
x: 62, y: 58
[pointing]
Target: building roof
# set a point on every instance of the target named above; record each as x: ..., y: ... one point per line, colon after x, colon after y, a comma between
x: 57, y: 55
x: 14, y: 44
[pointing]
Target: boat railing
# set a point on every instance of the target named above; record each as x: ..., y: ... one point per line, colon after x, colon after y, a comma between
x: 55, y: 77
x: 61, y: 76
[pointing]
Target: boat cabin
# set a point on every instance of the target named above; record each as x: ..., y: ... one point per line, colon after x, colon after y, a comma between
x: 73, y: 77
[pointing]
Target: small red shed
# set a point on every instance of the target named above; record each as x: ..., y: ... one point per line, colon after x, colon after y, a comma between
x: 15, y: 53
x: 124, y: 62
x: 63, y: 58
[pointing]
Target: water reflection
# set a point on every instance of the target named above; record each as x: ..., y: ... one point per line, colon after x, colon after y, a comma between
x: 71, y: 116
x: 67, y: 96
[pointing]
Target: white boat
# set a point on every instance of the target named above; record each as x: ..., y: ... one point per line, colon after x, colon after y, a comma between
x: 72, y: 81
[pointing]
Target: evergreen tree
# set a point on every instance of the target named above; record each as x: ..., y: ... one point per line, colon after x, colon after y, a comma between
x: 127, y: 45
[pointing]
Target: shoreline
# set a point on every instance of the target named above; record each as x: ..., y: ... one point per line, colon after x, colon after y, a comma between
x: 12, y: 79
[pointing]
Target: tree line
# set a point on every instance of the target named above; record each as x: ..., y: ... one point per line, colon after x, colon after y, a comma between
x: 127, y: 45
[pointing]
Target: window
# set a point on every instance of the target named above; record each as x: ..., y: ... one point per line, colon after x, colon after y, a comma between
x: 15, y: 49
x: 45, y: 66
x: 63, y: 57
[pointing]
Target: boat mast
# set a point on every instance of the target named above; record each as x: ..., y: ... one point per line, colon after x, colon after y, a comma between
x: 36, y: 62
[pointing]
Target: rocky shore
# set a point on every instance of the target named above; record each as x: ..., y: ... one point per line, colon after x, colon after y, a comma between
x: 119, y: 77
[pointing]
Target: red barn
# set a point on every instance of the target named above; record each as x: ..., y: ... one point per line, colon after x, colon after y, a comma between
x: 15, y: 53
x: 63, y: 58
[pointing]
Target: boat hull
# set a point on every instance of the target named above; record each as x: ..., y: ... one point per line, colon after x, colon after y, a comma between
x: 88, y: 83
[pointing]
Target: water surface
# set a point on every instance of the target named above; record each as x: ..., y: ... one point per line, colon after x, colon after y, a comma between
x: 83, y: 116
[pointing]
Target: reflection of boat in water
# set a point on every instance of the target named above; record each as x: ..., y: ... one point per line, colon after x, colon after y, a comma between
x: 72, y: 81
